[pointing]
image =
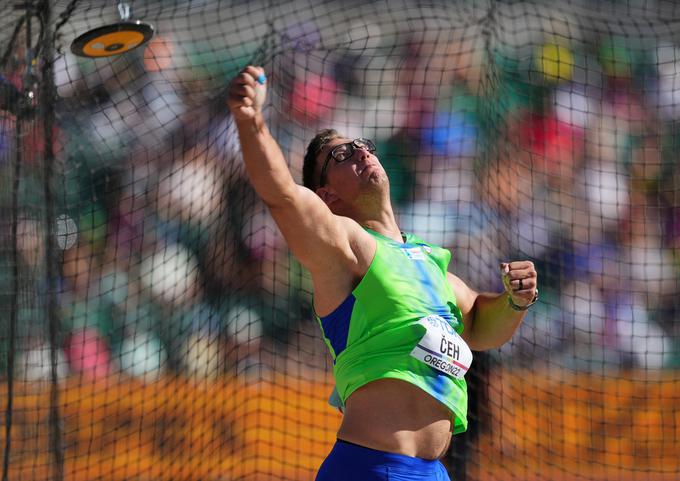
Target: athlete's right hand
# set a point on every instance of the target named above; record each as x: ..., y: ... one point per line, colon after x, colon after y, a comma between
x: 247, y: 93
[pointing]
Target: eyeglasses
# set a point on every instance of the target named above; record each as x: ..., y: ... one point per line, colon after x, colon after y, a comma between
x: 342, y: 152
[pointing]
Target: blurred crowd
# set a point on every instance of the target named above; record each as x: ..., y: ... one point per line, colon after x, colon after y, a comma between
x: 556, y: 148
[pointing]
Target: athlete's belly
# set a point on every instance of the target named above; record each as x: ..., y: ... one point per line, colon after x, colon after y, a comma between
x: 398, y: 417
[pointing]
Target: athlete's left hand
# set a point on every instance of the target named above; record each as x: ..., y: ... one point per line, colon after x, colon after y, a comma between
x: 521, y: 281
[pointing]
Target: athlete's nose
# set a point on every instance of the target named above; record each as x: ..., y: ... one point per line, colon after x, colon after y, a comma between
x: 364, y: 154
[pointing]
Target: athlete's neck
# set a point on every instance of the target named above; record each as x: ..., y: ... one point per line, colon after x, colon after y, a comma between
x: 388, y: 228
x: 371, y: 213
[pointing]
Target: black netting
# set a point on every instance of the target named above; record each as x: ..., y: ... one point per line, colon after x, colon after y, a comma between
x: 153, y: 324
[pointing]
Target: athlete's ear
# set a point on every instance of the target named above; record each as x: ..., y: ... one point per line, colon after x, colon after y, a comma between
x: 327, y: 194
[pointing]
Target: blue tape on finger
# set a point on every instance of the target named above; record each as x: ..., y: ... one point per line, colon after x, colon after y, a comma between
x: 261, y: 79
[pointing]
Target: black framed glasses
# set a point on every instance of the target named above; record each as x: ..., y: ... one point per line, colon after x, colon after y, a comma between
x: 342, y: 152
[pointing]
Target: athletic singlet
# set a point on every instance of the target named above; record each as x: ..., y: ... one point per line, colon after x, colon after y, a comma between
x: 378, y: 328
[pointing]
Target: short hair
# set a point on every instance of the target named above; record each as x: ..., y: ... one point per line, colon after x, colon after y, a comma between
x: 309, y: 164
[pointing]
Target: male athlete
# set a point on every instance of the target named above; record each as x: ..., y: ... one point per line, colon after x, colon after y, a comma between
x: 399, y: 326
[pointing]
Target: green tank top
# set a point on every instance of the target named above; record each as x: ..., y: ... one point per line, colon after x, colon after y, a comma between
x: 372, y: 333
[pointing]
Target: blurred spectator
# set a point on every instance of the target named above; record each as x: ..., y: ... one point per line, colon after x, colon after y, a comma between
x: 35, y: 363
x: 88, y: 353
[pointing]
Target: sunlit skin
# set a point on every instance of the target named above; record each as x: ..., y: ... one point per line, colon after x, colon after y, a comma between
x: 325, y: 231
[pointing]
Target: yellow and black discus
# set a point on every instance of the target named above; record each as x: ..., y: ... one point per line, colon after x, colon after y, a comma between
x: 112, y: 39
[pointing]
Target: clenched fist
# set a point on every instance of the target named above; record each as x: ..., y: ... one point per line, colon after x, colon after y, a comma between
x: 247, y: 93
x: 521, y: 283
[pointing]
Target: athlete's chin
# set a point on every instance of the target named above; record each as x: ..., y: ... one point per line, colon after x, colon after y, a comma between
x: 377, y: 178
x: 376, y: 188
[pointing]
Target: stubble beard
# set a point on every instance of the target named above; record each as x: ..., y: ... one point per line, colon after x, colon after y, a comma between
x: 375, y: 190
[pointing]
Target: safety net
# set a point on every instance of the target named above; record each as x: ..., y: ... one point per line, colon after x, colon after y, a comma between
x: 154, y: 324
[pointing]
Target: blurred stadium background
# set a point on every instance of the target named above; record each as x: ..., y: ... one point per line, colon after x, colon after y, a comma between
x: 153, y: 325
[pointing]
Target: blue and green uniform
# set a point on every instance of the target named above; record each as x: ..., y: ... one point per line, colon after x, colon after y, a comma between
x: 372, y: 333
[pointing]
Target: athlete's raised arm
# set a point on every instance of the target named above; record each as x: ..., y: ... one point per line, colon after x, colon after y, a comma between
x: 319, y: 239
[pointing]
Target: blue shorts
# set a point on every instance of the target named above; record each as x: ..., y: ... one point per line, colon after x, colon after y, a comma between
x: 349, y: 462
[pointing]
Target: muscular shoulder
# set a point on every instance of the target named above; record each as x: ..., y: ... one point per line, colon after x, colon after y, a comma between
x: 319, y: 239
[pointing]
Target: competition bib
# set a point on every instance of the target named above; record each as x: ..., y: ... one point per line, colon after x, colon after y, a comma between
x: 442, y: 348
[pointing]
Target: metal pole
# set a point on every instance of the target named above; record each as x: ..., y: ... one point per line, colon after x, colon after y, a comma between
x: 47, y: 99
